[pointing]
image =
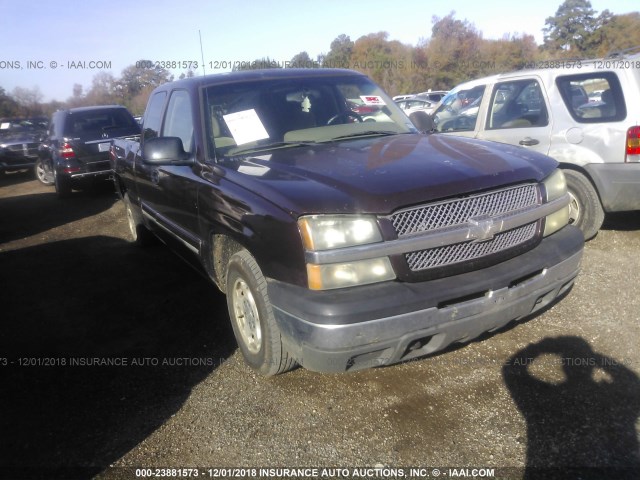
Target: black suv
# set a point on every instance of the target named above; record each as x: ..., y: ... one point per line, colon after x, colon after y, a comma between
x: 77, y: 147
x: 19, y: 142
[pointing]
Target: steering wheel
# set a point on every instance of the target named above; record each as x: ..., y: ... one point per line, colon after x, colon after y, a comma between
x: 346, y: 114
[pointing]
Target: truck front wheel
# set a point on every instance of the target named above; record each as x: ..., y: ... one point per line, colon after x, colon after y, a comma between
x: 252, y: 319
x: 585, y: 210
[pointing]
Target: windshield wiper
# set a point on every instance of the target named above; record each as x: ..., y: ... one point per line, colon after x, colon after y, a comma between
x: 270, y: 146
x: 368, y: 133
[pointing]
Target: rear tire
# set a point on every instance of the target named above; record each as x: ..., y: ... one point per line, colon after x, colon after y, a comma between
x: 252, y: 319
x: 62, y: 184
x: 43, y: 173
x: 140, y: 235
x: 585, y: 210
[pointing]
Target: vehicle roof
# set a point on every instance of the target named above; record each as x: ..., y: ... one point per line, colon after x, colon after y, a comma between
x: 263, y: 74
x: 585, y: 65
x: 86, y: 109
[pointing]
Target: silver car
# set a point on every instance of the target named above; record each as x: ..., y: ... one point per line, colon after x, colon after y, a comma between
x: 584, y: 114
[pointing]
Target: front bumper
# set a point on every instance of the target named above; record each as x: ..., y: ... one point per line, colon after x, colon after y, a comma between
x: 363, y: 327
x: 618, y: 185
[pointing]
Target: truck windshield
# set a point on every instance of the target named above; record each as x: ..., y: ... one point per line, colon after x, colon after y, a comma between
x: 277, y: 113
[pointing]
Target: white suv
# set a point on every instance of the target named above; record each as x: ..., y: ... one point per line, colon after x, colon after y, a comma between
x: 584, y: 114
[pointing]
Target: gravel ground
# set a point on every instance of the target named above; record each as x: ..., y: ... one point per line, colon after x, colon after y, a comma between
x: 541, y: 399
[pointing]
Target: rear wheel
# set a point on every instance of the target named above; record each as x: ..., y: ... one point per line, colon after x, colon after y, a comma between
x: 252, y: 319
x: 62, y: 184
x: 585, y: 210
x: 43, y: 173
x: 140, y: 235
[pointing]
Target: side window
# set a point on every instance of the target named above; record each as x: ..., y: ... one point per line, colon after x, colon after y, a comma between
x: 458, y: 111
x: 593, y: 97
x: 152, y: 119
x: 179, y: 121
x: 517, y: 104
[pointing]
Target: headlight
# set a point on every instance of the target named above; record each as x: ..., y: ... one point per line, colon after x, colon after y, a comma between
x: 327, y: 232
x: 556, y: 187
x: 324, y: 232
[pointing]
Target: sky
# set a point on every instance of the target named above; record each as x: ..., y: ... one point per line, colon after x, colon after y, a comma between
x: 55, y: 44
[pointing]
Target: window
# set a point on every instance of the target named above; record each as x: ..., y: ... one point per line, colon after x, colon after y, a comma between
x: 593, y: 97
x: 517, y: 104
x: 152, y: 119
x: 458, y: 111
x: 98, y: 120
x: 179, y: 121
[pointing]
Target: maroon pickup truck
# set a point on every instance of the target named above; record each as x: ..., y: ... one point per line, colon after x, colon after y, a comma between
x: 343, y: 242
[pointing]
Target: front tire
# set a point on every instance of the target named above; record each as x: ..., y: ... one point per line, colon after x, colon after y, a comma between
x: 252, y: 319
x: 585, y: 210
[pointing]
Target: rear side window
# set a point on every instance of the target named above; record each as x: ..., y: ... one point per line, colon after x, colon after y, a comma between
x: 593, y: 97
x: 517, y: 104
x: 152, y: 120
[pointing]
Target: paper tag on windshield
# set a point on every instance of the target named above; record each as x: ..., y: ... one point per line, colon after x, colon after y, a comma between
x: 372, y: 100
x: 245, y: 126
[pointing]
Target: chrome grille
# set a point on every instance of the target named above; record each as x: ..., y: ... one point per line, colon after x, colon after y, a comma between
x: 460, y: 252
x: 459, y: 211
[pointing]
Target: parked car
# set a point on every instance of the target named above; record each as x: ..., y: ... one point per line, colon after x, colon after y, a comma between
x: 597, y: 142
x: 367, y: 111
x: 343, y: 244
x: 76, y: 150
x: 434, y: 96
x: 19, y: 142
x: 414, y: 104
x: 403, y: 97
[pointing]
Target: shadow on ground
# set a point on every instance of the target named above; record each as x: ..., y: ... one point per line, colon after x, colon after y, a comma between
x: 625, y: 221
x: 25, y: 215
x: 580, y: 407
x: 89, y: 302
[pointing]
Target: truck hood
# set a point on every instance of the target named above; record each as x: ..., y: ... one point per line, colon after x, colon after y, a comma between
x: 379, y: 175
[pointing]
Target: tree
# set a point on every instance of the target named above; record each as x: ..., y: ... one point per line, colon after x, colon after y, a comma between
x: 29, y: 101
x: 385, y: 61
x: 620, y: 32
x: 8, y: 106
x: 573, y: 29
x: 453, y: 53
x: 339, y: 55
x: 103, y: 90
x: 512, y: 52
x: 143, y: 74
x: 302, y: 60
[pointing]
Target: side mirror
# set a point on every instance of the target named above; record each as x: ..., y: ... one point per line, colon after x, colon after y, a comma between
x: 422, y: 121
x: 165, y: 151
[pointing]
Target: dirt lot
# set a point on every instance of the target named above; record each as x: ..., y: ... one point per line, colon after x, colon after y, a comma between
x: 560, y: 390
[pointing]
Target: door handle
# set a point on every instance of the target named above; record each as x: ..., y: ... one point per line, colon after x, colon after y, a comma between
x: 528, y: 142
